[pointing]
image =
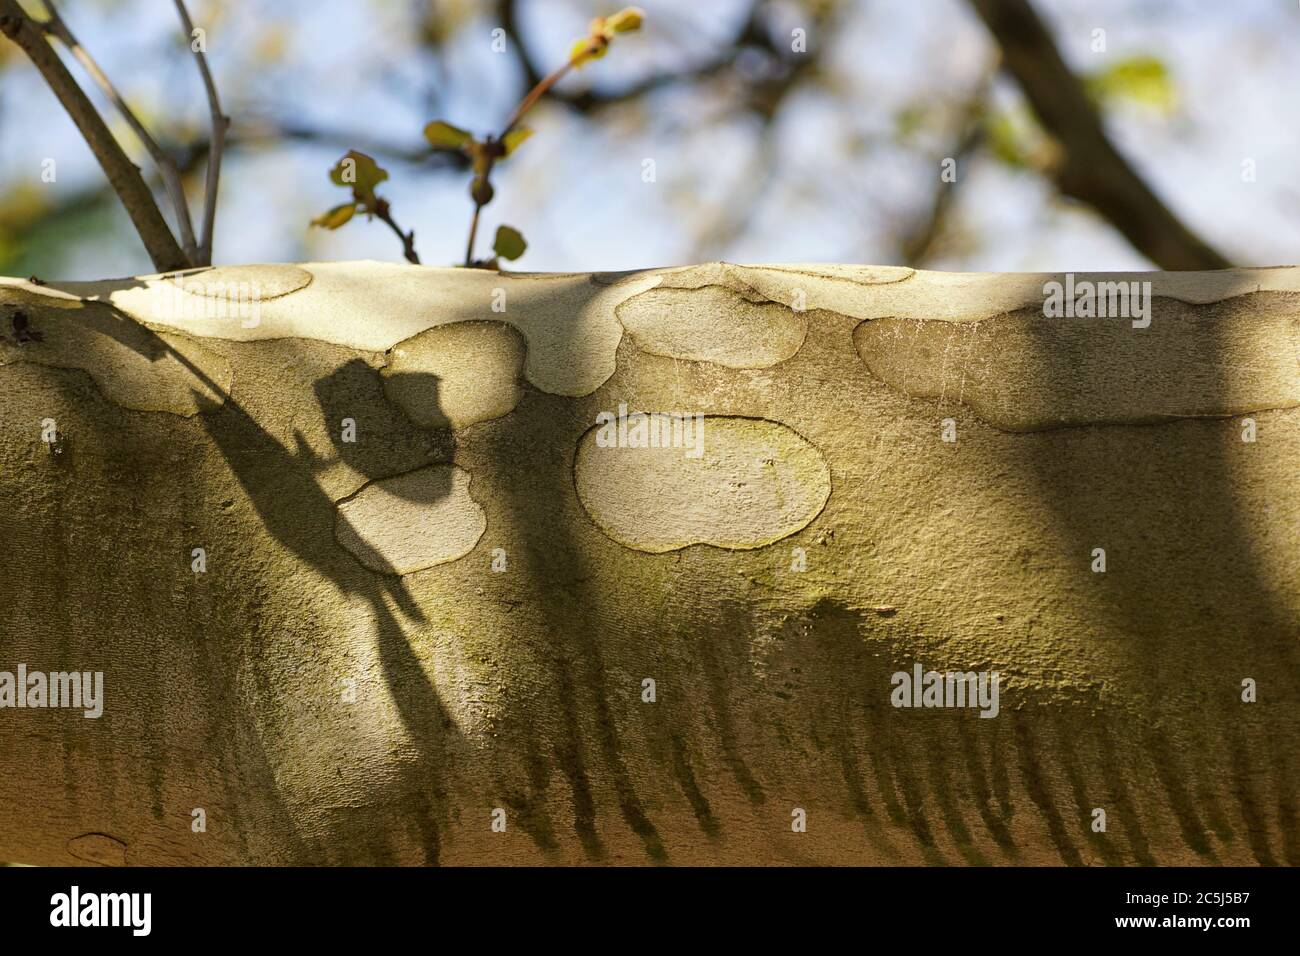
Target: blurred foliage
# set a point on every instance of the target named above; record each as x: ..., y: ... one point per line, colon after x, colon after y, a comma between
x: 1016, y: 140
x: 1141, y: 79
x: 36, y: 235
x: 1013, y: 135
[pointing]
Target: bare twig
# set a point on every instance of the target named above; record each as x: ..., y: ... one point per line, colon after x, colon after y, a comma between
x: 56, y: 26
x: 256, y: 134
x: 384, y: 213
x: 124, y: 175
x: 535, y: 94
x: 473, y: 231
x: 220, y: 123
x: 495, y: 147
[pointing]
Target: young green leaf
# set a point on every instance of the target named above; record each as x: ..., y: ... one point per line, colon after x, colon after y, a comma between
x: 1005, y: 140
x: 361, y: 173
x: 587, y: 49
x: 336, y: 217
x: 625, y: 21
x: 445, y: 136
x: 601, y: 34
x: 509, y: 243
x: 514, y: 138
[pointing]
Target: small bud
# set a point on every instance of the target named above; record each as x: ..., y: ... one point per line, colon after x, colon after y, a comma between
x: 587, y: 49
x: 481, y: 190
x: 625, y: 21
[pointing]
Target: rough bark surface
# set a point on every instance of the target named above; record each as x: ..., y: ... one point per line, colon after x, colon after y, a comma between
x: 371, y: 561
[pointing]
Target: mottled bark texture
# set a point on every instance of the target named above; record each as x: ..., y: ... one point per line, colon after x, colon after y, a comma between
x: 186, y: 420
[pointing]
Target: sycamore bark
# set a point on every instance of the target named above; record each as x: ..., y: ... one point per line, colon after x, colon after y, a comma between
x: 430, y: 596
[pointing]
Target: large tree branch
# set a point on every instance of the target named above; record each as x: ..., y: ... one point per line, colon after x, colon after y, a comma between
x: 124, y: 175
x: 1092, y: 169
x: 348, y: 678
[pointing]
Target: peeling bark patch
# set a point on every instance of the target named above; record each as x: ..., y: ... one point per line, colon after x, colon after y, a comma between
x: 260, y: 282
x: 712, y: 324
x: 453, y: 376
x: 98, y: 848
x: 859, y: 275
x: 756, y: 482
x: 850, y: 290
x: 568, y: 322
x: 130, y: 365
x: 1023, y: 372
x: 411, y: 522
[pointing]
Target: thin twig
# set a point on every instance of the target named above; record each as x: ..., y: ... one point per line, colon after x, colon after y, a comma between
x: 590, y: 100
x: 56, y: 26
x: 473, y: 231
x: 220, y: 123
x: 384, y: 214
x: 124, y: 175
x: 535, y: 94
x: 527, y: 103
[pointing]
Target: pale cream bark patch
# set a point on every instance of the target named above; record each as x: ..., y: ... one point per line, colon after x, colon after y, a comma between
x: 454, y: 376
x: 261, y: 282
x: 713, y: 324
x: 756, y: 482
x: 411, y: 522
x: 567, y: 321
x: 131, y: 366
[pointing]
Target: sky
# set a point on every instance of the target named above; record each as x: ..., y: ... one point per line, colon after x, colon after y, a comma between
x: 828, y: 182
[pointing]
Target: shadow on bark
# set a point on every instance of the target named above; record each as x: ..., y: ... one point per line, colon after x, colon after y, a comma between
x: 578, y: 730
x: 1197, y: 765
x: 281, y: 484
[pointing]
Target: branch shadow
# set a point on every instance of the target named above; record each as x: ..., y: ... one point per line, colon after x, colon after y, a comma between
x: 1196, y: 766
x: 579, y: 734
x: 282, y: 485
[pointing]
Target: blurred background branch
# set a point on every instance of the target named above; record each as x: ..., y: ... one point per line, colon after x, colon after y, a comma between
x: 1090, y: 168
x: 778, y: 130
